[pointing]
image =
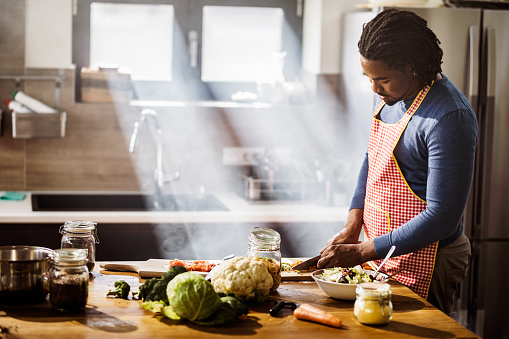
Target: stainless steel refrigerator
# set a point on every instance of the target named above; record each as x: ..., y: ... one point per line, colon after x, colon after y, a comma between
x: 475, y: 42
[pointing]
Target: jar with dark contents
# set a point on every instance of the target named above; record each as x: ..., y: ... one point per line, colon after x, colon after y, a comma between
x: 68, y: 280
x: 81, y: 234
x: 265, y: 243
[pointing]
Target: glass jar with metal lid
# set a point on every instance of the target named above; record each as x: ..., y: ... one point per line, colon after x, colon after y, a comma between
x: 80, y: 234
x: 265, y: 243
x: 68, y: 280
x: 373, y: 305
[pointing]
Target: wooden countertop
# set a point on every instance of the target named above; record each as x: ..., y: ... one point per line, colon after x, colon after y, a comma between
x: 240, y: 210
x: 413, y: 317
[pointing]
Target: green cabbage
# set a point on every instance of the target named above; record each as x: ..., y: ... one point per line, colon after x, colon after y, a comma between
x: 192, y: 297
x: 231, y: 307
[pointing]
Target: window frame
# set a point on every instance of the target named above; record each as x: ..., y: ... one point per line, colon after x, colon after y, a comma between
x: 188, y: 15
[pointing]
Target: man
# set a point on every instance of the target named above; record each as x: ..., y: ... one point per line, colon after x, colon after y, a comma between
x: 416, y: 177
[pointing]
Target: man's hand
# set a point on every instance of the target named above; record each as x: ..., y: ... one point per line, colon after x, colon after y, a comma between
x: 344, y: 249
x: 351, y: 231
x: 347, y: 255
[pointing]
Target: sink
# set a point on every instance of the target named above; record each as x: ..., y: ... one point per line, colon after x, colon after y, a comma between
x: 124, y: 202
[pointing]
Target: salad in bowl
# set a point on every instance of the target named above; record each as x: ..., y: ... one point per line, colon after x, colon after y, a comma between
x: 341, y: 282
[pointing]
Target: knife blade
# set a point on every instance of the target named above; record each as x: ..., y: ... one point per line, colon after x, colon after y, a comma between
x: 307, y: 263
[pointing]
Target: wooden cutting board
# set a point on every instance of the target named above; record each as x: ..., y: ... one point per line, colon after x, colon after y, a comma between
x: 151, y: 268
x: 155, y: 268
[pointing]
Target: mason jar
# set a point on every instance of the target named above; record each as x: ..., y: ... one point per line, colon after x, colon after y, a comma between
x: 68, y: 280
x: 373, y: 305
x: 80, y: 234
x: 265, y: 243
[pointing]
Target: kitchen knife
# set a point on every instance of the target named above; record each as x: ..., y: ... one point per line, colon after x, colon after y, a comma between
x: 280, y: 304
x: 306, y: 264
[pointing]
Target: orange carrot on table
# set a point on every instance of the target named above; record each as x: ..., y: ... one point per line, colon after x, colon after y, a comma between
x: 310, y: 313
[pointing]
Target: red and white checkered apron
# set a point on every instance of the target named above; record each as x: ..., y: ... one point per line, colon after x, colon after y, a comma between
x: 390, y: 202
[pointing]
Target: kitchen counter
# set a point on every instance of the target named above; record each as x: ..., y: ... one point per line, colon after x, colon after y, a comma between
x: 413, y: 317
x: 240, y: 210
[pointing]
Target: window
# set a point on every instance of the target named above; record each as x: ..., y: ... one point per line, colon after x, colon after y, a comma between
x: 136, y: 36
x: 238, y: 43
x: 190, y: 50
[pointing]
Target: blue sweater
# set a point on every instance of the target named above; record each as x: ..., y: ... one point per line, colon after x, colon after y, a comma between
x: 436, y: 156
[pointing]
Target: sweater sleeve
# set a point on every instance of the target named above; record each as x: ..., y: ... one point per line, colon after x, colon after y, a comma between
x: 451, y: 151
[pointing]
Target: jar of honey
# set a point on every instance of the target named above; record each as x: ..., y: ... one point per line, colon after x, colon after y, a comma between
x: 373, y: 305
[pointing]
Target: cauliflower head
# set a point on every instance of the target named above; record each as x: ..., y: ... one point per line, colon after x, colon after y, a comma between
x: 245, y: 277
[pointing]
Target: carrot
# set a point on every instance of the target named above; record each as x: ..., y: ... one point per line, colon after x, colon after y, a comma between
x: 310, y: 313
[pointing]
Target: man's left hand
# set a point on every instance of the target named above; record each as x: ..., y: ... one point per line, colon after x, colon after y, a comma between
x: 347, y: 255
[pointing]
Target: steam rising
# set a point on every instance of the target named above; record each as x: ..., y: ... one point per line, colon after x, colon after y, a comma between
x: 302, y: 132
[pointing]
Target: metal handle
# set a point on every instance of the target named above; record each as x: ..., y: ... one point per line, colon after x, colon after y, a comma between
x: 488, y: 125
x: 383, y: 262
x: 391, y: 275
x: 491, y: 62
x: 473, y: 67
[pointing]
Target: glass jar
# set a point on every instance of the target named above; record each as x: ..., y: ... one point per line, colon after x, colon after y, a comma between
x: 68, y: 280
x: 264, y: 243
x: 80, y: 234
x: 373, y: 305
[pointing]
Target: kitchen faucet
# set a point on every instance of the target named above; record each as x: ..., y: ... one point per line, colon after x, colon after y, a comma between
x: 159, y: 178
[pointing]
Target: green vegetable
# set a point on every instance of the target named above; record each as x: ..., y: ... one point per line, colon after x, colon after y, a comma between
x: 231, y: 308
x: 160, y: 288
x: 168, y: 312
x: 121, y: 290
x: 173, y: 272
x: 344, y: 275
x: 285, y: 266
x: 192, y: 297
x: 153, y: 306
x: 195, y: 294
x: 155, y: 289
x: 146, y: 288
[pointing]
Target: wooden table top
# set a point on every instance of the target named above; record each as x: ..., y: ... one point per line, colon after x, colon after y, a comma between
x: 106, y: 317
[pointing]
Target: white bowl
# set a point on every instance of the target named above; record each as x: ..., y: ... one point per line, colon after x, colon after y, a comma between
x: 339, y: 290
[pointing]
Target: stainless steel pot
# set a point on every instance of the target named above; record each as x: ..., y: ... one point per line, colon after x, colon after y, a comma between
x: 23, y: 274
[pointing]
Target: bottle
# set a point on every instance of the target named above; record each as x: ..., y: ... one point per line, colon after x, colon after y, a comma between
x: 265, y: 243
x: 80, y: 234
x: 17, y: 107
x: 373, y: 305
x: 33, y: 104
x: 68, y: 280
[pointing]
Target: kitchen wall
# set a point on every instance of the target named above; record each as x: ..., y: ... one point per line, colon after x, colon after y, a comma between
x: 94, y: 155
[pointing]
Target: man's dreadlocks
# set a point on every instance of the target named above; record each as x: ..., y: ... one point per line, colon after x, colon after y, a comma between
x: 400, y: 38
